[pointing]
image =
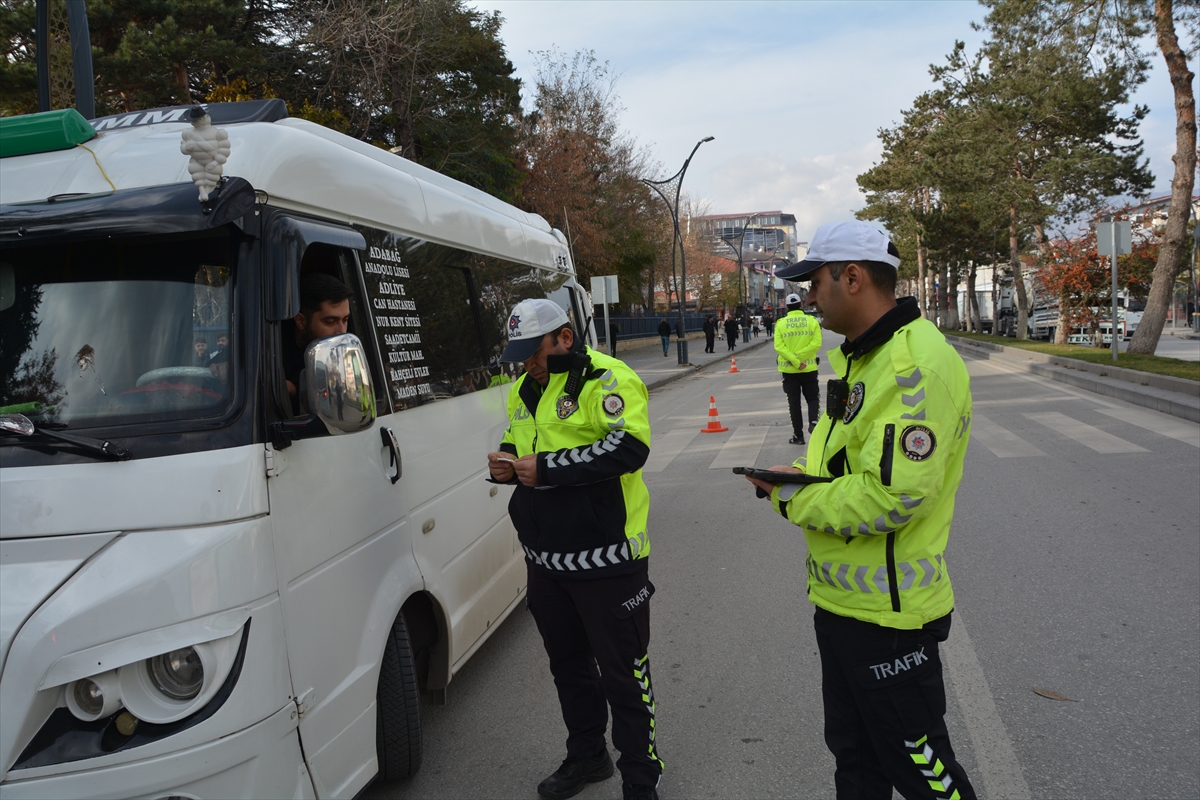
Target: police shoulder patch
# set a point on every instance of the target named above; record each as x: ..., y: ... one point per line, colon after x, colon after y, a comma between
x: 613, y: 404
x: 566, y: 406
x: 917, y: 442
x: 854, y: 402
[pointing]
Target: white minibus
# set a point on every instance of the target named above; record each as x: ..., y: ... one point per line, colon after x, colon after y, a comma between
x: 207, y: 590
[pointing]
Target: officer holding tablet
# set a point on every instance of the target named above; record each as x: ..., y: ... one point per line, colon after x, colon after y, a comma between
x: 892, y: 443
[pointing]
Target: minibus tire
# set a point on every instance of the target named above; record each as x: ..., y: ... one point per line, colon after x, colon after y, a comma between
x: 398, y: 716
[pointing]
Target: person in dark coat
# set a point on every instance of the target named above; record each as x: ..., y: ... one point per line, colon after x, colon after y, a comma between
x: 710, y: 333
x: 731, y: 331
x: 664, y: 333
x: 613, y: 330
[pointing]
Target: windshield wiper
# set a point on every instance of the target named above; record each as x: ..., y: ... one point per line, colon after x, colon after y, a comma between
x: 21, y: 425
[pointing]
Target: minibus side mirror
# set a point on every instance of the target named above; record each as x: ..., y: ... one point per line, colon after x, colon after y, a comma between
x: 338, y: 384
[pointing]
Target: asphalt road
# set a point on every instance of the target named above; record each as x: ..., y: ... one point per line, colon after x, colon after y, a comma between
x: 1074, y: 556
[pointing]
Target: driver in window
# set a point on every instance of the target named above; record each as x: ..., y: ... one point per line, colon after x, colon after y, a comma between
x: 324, y: 311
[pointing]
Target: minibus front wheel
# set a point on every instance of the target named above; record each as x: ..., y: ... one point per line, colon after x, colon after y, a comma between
x: 398, y: 708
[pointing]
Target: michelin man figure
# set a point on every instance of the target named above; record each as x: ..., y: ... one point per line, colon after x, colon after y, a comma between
x: 208, y: 148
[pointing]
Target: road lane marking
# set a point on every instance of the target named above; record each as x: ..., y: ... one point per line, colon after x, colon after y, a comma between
x: 1000, y: 774
x: 1086, y: 435
x: 770, y: 412
x: 1015, y: 401
x: 1159, y: 423
x: 664, y: 448
x: 742, y: 448
x: 1001, y: 441
x: 769, y: 384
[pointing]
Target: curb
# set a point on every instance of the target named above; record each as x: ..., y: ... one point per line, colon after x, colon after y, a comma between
x: 1182, y: 402
x: 684, y: 373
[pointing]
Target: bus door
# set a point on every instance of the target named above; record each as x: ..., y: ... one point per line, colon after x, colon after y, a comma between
x: 341, y: 546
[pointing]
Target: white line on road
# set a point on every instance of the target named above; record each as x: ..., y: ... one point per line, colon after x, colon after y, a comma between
x: 770, y: 412
x: 667, y: 446
x: 1000, y: 772
x: 1162, y: 424
x: 742, y: 448
x: 1001, y: 441
x: 1016, y: 401
x: 768, y: 384
x: 1086, y: 435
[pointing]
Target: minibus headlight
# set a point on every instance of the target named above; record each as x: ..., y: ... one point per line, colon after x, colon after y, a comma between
x: 89, y: 696
x: 178, y: 674
x: 95, y: 697
x: 173, y: 684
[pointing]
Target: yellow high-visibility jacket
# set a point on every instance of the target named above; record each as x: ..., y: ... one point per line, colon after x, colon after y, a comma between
x: 877, y: 533
x: 587, y: 516
x: 797, y: 342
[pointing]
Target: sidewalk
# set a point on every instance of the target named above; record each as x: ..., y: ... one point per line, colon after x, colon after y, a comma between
x: 645, y: 357
x: 1182, y: 333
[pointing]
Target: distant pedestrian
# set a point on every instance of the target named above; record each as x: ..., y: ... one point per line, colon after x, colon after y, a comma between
x: 731, y: 331
x: 710, y: 333
x: 754, y: 328
x: 769, y: 324
x: 613, y: 330
x: 664, y: 333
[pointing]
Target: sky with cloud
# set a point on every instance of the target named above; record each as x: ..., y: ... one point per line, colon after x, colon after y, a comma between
x: 794, y: 92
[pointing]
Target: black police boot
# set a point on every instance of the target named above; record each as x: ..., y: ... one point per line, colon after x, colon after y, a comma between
x: 569, y: 779
x: 812, y: 426
x: 638, y: 791
x: 796, y: 439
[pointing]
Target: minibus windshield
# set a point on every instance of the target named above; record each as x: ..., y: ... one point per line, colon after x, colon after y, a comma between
x: 118, y: 331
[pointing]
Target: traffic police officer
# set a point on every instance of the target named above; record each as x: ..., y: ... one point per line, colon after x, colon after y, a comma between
x: 893, y: 440
x: 797, y: 342
x: 577, y: 437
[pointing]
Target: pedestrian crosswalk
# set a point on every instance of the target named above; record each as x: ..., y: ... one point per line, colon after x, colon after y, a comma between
x: 1000, y: 440
x: 743, y: 445
x: 741, y: 449
x: 664, y: 448
x: 1086, y: 435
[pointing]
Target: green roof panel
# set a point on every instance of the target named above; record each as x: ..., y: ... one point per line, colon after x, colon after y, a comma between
x: 43, y: 133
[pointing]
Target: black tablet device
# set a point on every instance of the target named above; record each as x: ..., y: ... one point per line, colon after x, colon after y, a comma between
x: 780, y: 477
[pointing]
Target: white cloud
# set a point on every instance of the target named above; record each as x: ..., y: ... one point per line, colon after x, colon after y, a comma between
x: 793, y: 92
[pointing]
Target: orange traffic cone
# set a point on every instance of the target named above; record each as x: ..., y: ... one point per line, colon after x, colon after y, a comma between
x: 733, y: 365
x: 714, y: 422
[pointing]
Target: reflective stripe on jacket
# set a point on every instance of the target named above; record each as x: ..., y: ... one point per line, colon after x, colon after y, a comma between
x: 587, y: 517
x: 877, y: 534
x: 797, y: 342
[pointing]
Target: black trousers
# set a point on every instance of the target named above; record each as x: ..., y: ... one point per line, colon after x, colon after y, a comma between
x: 605, y: 623
x: 710, y: 339
x: 885, y: 704
x: 797, y: 385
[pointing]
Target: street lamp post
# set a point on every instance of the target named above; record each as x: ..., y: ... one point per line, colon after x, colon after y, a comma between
x: 670, y: 190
